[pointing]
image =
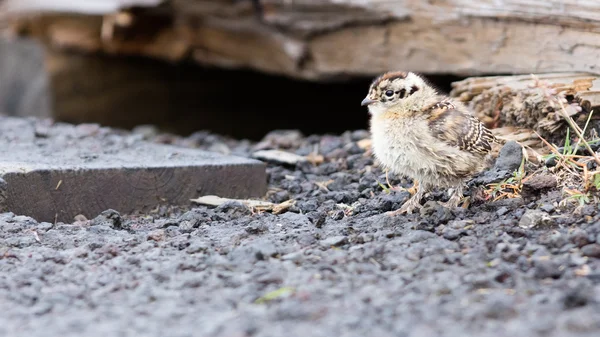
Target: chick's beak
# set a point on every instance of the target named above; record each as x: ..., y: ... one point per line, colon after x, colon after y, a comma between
x: 367, y: 101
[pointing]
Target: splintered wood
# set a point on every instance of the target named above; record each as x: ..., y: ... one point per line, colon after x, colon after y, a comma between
x: 256, y: 205
x: 516, y: 107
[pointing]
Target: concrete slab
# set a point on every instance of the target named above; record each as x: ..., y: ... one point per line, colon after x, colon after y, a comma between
x: 55, y: 172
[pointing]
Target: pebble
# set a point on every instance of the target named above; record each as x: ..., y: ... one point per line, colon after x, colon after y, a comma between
x: 547, y: 269
x: 579, y: 237
x: 547, y: 207
x: 591, y: 250
x: 534, y: 218
x: 110, y: 218
x: 333, y: 241
x: 508, y: 161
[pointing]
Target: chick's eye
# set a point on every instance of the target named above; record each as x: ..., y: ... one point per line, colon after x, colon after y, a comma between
x: 389, y: 93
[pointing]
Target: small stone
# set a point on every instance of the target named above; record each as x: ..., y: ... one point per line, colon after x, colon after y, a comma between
x: 425, y: 226
x: 256, y: 227
x: 538, y: 184
x: 579, y: 238
x: 452, y: 234
x: 508, y: 161
x: 548, y: 208
x: 295, y: 256
x: 306, y: 239
x: 358, y: 135
x: 547, y: 269
x: 233, y: 208
x: 591, y: 250
x: 337, y: 215
x: 44, y: 226
x: 588, y: 210
x: 500, y: 308
x: 329, y: 144
x: 156, y: 235
x: 197, y: 247
x: 280, y: 197
x: 577, y: 297
x: 502, y: 210
x: 435, y: 212
x: 317, y: 218
x: 110, y: 218
x: 188, y: 226
x: 334, y: 241
x: 534, y: 218
x: 264, y: 249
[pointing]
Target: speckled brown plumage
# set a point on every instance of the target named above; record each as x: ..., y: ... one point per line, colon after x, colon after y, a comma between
x: 424, y: 135
x: 459, y: 129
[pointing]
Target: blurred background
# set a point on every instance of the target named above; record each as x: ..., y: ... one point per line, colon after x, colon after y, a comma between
x: 246, y: 67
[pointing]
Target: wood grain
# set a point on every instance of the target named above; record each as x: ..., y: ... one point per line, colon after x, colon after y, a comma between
x: 508, y: 102
x: 321, y: 39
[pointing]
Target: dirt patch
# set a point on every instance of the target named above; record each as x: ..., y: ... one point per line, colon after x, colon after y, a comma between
x: 332, y: 265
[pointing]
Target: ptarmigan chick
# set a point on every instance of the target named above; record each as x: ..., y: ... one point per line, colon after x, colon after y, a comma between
x: 418, y: 133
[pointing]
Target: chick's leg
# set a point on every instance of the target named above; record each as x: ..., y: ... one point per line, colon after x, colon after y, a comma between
x: 413, y: 203
x: 455, y: 198
x: 412, y: 190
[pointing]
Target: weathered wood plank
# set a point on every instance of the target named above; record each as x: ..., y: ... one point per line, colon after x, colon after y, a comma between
x: 85, y: 7
x: 516, y: 106
x: 55, y: 173
x: 325, y: 38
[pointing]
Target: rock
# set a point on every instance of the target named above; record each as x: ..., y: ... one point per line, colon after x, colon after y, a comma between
x: 577, y: 297
x: 591, y: 250
x: 500, y: 307
x: 156, y: 235
x: 333, y: 241
x: 197, y: 247
x: 233, y: 208
x: 502, y: 210
x: 537, y: 185
x: 256, y: 227
x: 329, y: 144
x: 317, y: 218
x: 264, y: 249
x: 452, y: 234
x: 338, y: 214
x: 435, y: 213
x: 548, y: 208
x: 295, y: 256
x: 110, y: 218
x: 258, y: 250
x: 579, y: 238
x: 534, y: 218
x: 546, y: 269
x: 508, y: 161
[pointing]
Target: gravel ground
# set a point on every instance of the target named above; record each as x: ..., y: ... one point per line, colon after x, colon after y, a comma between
x: 333, y: 265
